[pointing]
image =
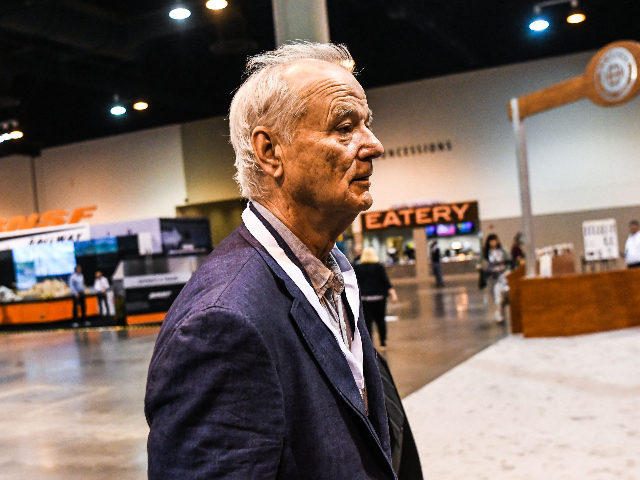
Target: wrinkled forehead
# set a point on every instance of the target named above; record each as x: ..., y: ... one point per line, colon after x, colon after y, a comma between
x: 309, y: 78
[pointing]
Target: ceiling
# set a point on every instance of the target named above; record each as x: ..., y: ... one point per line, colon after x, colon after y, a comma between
x: 62, y: 61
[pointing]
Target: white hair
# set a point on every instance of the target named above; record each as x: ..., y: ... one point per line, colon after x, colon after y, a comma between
x: 264, y: 98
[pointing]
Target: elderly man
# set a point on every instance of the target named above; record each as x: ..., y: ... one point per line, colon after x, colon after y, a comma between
x: 263, y: 367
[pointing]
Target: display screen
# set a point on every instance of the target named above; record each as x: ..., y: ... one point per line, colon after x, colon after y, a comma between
x: 42, y: 260
x: 464, y: 227
x: 431, y: 230
x: 445, y: 229
x: 185, y: 234
x: 97, y: 246
x: 84, y: 248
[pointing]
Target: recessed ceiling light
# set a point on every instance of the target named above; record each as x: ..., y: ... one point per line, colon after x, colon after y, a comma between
x: 576, y: 17
x: 539, y: 24
x: 14, y: 135
x: 216, y: 4
x: 140, y: 105
x: 180, y: 13
x: 118, y: 110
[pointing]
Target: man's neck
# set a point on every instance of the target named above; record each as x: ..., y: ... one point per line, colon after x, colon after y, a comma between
x: 316, y: 231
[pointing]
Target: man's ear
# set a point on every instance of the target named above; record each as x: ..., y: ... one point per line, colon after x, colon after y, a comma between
x: 267, y: 150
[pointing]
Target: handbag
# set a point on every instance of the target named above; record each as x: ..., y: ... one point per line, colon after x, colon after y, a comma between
x: 482, y: 279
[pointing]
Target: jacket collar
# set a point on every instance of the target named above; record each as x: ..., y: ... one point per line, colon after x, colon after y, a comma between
x: 279, y: 251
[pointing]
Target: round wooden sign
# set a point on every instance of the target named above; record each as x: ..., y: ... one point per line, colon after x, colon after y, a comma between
x: 612, y: 74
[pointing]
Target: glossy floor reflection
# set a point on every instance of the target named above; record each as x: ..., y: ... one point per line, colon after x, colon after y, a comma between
x: 436, y: 329
x: 71, y: 402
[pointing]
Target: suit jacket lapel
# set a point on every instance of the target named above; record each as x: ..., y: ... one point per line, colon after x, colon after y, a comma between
x: 325, y: 350
x: 266, y: 236
x: 377, y: 410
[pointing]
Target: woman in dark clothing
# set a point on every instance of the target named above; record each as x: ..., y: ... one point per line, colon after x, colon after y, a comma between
x: 436, y: 266
x: 374, y: 289
x: 517, y: 251
x: 495, y: 263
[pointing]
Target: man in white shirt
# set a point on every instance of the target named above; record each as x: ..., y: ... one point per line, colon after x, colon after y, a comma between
x: 632, y: 246
x: 101, y: 286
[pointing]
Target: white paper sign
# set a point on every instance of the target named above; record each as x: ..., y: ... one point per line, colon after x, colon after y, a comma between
x: 156, y: 279
x: 600, y: 239
x: 546, y: 265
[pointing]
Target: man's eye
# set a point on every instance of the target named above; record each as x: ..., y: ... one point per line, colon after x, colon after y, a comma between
x: 344, y: 128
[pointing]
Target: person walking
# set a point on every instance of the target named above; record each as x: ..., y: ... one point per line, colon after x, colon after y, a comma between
x: 76, y: 285
x: 517, y: 251
x: 436, y: 266
x: 494, y: 265
x: 375, y: 287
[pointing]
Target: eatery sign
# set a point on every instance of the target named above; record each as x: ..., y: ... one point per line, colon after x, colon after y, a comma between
x: 420, y: 216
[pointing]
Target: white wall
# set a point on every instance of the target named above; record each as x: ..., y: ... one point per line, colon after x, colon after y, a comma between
x: 16, y: 190
x: 131, y: 176
x: 208, y: 161
x: 581, y: 156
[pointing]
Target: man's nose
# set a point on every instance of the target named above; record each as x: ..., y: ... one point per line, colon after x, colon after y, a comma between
x: 371, y: 146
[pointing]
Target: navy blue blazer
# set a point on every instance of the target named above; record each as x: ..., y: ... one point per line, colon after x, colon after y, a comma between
x: 246, y: 381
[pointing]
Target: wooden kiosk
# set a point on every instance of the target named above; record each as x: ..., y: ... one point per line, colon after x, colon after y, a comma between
x: 574, y: 304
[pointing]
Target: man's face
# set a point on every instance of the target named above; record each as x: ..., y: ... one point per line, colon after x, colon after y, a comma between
x: 633, y: 228
x: 329, y: 161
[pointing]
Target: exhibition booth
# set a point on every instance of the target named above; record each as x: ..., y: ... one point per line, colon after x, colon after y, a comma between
x: 146, y: 263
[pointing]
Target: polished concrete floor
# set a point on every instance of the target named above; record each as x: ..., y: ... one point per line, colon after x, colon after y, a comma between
x: 436, y: 330
x: 563, y: 408
x: 71, y: 402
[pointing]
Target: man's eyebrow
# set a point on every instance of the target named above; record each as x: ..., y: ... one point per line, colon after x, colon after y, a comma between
x: 341, y: 111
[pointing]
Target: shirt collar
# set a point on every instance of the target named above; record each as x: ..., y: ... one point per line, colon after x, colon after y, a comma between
x: 323, y: 276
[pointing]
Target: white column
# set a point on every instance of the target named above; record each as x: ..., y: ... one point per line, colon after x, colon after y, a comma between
x: 423, y: 260
x: 300, y: 20
x: 525, y: 194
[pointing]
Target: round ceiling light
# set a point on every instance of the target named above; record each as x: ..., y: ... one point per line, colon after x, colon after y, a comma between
x: 140, y: 105
x: 216, y: 4
x: 118, y: 110
x: 539, y: 25
x: 576, y: 17
x: 180, y: 13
